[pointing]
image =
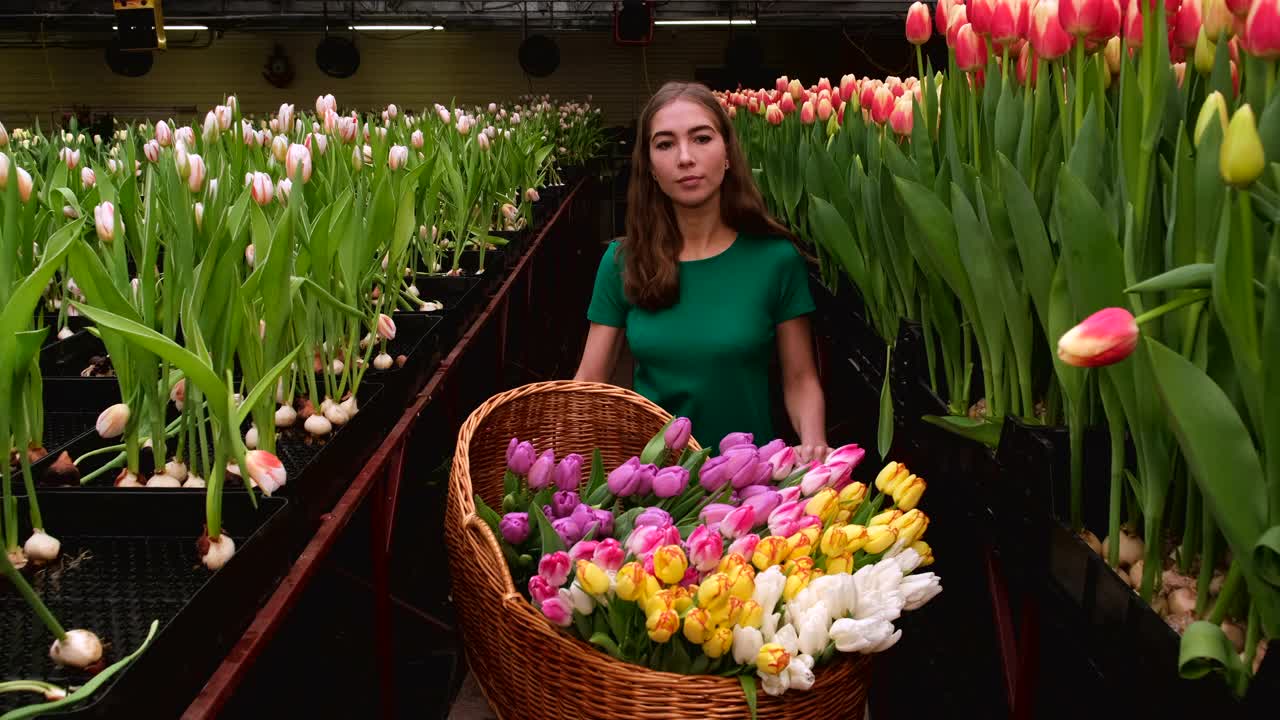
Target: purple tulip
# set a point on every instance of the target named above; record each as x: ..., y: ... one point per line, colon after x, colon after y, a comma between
x: 520, y: 458
x: 548, y: 512
x: 585, y: 518
x: 644, y: 479
x: 753, y: 490
x: 568, y: 530
x: 670, y: 481
x: 540, y: 472
x: 752, y: 474
x: 563, y: 502
x: 714, y: 513
x: 677, y: 435
x: 772, y: 448
x: 568, y: 474
x: 738, y: 522
x: 515, y: 527
x: 691, y: 577
x: 540, y: 589
x: 554, y: 568
x: 737, y: 438
x: 715, y: 474
x: 657, y: 517
x: 744, y: 546
x: 605, y: 518
x: 763, y: 503
x: 511, y: 448
x: 583, y: 550
x: 622, y: 481
x: 609, y: 555
x: 705, y: 547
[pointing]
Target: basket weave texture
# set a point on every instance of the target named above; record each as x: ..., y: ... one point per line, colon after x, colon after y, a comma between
x: 527, y: 667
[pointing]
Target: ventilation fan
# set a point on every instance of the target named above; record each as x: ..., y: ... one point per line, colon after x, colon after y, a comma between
x: 337, y: 57
x: 539, y: 55
x: 279, y: 69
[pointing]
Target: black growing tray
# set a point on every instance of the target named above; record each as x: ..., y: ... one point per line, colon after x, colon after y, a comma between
x: 129, y: 557
x: 67, y: 358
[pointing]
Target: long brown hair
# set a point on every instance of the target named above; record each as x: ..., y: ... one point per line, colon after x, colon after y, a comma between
x: 650, y: 252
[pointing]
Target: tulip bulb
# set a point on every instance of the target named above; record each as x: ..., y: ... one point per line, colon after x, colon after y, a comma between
x: 1182, y: 601
x: 349, y: 406
x: 1131, y: 548
x: 382, y: 361
x: 286, y: 416
x: 215, y: 552
x: 78, y: 649
x: 336, y: 415
x: 1134, y: 576
x: 176, y: 470
x: 1091, y: 540
x: 193, y: 482
x: 318, y: 425
x: 41, y: 547
x: 163, y: 481
x: 127, y: 479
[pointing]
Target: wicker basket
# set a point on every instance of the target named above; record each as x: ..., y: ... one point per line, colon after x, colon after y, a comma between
x: 526, y: 667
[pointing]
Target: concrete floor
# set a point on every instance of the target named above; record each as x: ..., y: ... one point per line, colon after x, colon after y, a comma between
x: 471, y: 703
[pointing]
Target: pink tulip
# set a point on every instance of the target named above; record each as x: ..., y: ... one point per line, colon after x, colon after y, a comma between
x: 645, y: 539
x: 1079, y: 17
x: 845, y: 458
x: 980, y: 15
x: 261, y: 188
x: 87, y: 178
x: 763, y: 502
x: 609, y: 555
x: 326, y: 103
x: 284, y: 118
x: 540, y: 590
x: 1240, y: 8
x: 558, y: 610
x: 782, y: 463
x: 848, y: 87
x: 554, y: 568
x: 284, y: 189
x: 265, y: 471
x: 104, y: 220
x: 1104, y: 338
x: 781, y: 83
x: 738, y: 522
x: 784, y: 515
x: 1261, y: 36
x: 1048, y: 37
x: 582, y: 550
x: 971, y: 50
x: 714, y: 513
x: 705, y: 547
x: 919, y: 28
x: 792, y: 493
x: 185, y: 135
x: 882, y: 105
x: 1186, y: 29
x: 744, y: 546
x: 1132, y: 25
x: 70, y: 157
x: 1109, y: 17
x: 956, y: 19
x: 807, y: 114
x: 773, y: 114
x: 483, y: 141
x: 386, y: 327
x: 398, y: 156
x: 297, y: 163
x: 196, y: 173
x: 223, y: 113
x: 164, y: 134
x: 902, y: 118
x: 818, y: 478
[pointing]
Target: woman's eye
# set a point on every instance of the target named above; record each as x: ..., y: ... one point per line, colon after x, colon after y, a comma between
x: 663, y: 145
x: 703, y: 139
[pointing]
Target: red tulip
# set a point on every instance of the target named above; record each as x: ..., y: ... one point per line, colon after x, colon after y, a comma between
x: 807, y: 113
x: 825, y: 109
x: 1024, y: 65
x: 942, y: 14
x: 1186, y: 28
x: 1108, y: 22
x: 1239, y: 8
x: 787, y: 105
x: 848, y: 86
x: 781, y: 83
x: 1262, y: 29
x: 1104, y: 338
x: 1133, y: 24
x: 1048, y: 37
x: 882, y: 104
x: 980, y: 14
x: 971, y: 49
x: 868, y: 93
x: 824, y: 84
x: 919, y: 29
x: 958, y: 18
x: 1008, y: 21
x: 1079, y: 17
x: 902, y: 117
x: 773, y: 114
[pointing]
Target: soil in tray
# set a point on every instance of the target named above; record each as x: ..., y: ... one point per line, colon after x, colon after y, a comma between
x: 124, y: 569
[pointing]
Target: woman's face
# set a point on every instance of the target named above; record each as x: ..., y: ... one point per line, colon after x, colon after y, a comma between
x: 687, y: 153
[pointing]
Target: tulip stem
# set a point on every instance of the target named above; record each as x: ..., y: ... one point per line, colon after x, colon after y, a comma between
x: 1115, y: 429
x: 33, y: 505
x: 1191, y: 525
x: 1208, y: 556
x: 1227, y: 597
x: 33, y: 600
x: 1078, y: 101
x: 1189, y: 299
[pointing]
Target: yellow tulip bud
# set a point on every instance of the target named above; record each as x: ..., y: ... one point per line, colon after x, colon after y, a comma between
x: 631, y: 581
x: 719, y: 613
x: 837, y: 564
x: 885, y: 518
x: 752, y: 614
x: 592, y: 578
x: 734, y: 610
x: 926, y: 553
x: 742, y: 587
x: 1205, y: 50
x: 891, y: 475
x: 1241, y: 159
x: 852, y: 496
x: 733, y: 564
x: 697, y: 626
x: 1214, y: 108
x: 773, y: 659
x: 656, y: 603
x: 822, y: 505
x: 769, y: 552
x: 670, y: 563
x: 681, y: 598
x: 796, y: 582
x: 650, y: 587
x: 911, y: 526
x: 843, y: 516
x: 719, y: 643
x: 801, y: 563
x: 714, y: 591
x: 834, y: 540
x: 802, y: 543
x: 880, y: 537
x: 662, y: 625
x: 907, y: 495
x: 858, y: 537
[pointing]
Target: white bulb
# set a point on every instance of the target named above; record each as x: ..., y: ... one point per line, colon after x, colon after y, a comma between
x: 326, y: 404
x: 336, y: 415
x: 317, y: 425
x: 41, y: 547
x: 79, y: 649
x: 382, y: 361
x: 251, y: 438
x: 286, y: 416
x: 338, y: 366
x: 128, y: 479
x: 413, y: 290
x: 349, y: 406
x: 193, y: 481
x: 176, y: 470
x: 163, y: 481
x: 64, y: 333
x: 219, y: 552
x: 17, y: 558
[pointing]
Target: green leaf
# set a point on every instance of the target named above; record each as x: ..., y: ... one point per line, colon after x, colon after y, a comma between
x: 983, y: 431
x: 1233, y: 301
x: 1205, y: 649
x: 551, y: 541
x: 1266, y: 556
x: 656, y: 449
x: 1034, y: 249
x: 1195, y: 276
x: 265, y: 385
x: 488, y: 514
x: 597, y: 477
x: 831, y: 231
x: 16, y: 314
x: 884, y: 430
x: 748, y: 682
x: 607, y: 644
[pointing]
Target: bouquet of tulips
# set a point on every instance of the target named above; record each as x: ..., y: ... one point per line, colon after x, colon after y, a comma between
x: 745, y: 564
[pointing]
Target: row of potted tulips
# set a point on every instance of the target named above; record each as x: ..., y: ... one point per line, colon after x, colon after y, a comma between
x: 1075, y: 156
x: 243, y: 276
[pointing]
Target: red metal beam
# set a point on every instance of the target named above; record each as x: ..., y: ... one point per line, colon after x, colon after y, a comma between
x: 217, y: 691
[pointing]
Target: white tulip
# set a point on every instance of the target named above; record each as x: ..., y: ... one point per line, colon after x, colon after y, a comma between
x: 769, y: 586
x: 919, y: 589
x: 776, y: 685
x: 850, y: 635
x: 582, y: 600
x: 813, y: 630
x: 747, y: 642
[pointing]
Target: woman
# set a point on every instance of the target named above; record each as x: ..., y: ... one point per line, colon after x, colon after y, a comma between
x: 705, y: 283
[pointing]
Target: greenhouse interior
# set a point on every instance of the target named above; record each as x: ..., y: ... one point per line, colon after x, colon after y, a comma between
x: 640, y: 359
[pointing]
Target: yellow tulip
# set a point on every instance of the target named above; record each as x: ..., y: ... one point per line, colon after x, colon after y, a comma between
x: 1205, y: 50
x: 823, y: 505
x: 742, y: 587
x: 925, y: 552
x: 670, y: 564
x: 631, y: 581
x: 769, y: 552
x: 773, y: 659
x: 752, y: 614
x: 802, y: 543
x: 840, y: 564
x: 662, y: 625
x: 911, y: 526
x: 592, y: 578
x: 719, y: 643
x: 801, y: 563
x: 858, y: 537
x: 719, y: 613
x: 714, y: 591
x: 834, y: 540
x: 734, y: 610
x: 907, y: 494
x: 656, y: 603
x: 852, y: 496
x: 697, y: 626
x: 843, y: 516
x: 890, y: 476
x: 1241, y: 159
x: 1214, y: 108
x: 885, y: 518
x: 681, y: 598
x: 880, y: 537
x: 796, y: 582
x: 734, y: 565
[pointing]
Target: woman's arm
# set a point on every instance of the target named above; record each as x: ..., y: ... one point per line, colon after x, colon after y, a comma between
x: 600, y: 357
x: 801, y: 389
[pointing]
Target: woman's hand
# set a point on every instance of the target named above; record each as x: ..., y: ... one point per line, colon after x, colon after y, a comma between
x: 816, y: 452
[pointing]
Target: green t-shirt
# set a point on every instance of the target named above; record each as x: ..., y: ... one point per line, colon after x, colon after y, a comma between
x: 707, y: 357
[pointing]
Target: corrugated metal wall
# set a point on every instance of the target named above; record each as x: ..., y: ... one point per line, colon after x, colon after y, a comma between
x: 420, y: 69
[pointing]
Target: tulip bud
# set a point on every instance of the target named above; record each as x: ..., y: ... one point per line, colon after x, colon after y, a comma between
x: 87, y: 178
x: 398, y: 156
x: 196, y: 173
x: 210, y: 127
x: 772, y: 659
x: 1241, y: 158
x: 112, y: 421
x: 1187, y: 23
x: 1261, y: 36
x: 1107, y: 336
x: 1048, y: 37
x: 151, y: 150
x: 520, y: 457
x: 1218, y: 20
x: 1215, y: 107
x: 284, y: 189
x: 971, y: 50
x: 104, y: 220
x: 164, y: 135
x: 879, y: 538
x: 280, y: 148
x: 297, y: 162
x: 261, y: 188
x: 919, y: 28
x: 902, y: 118
x: 769, y: 551
x: 4, y: 136
x: 265, y: 471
